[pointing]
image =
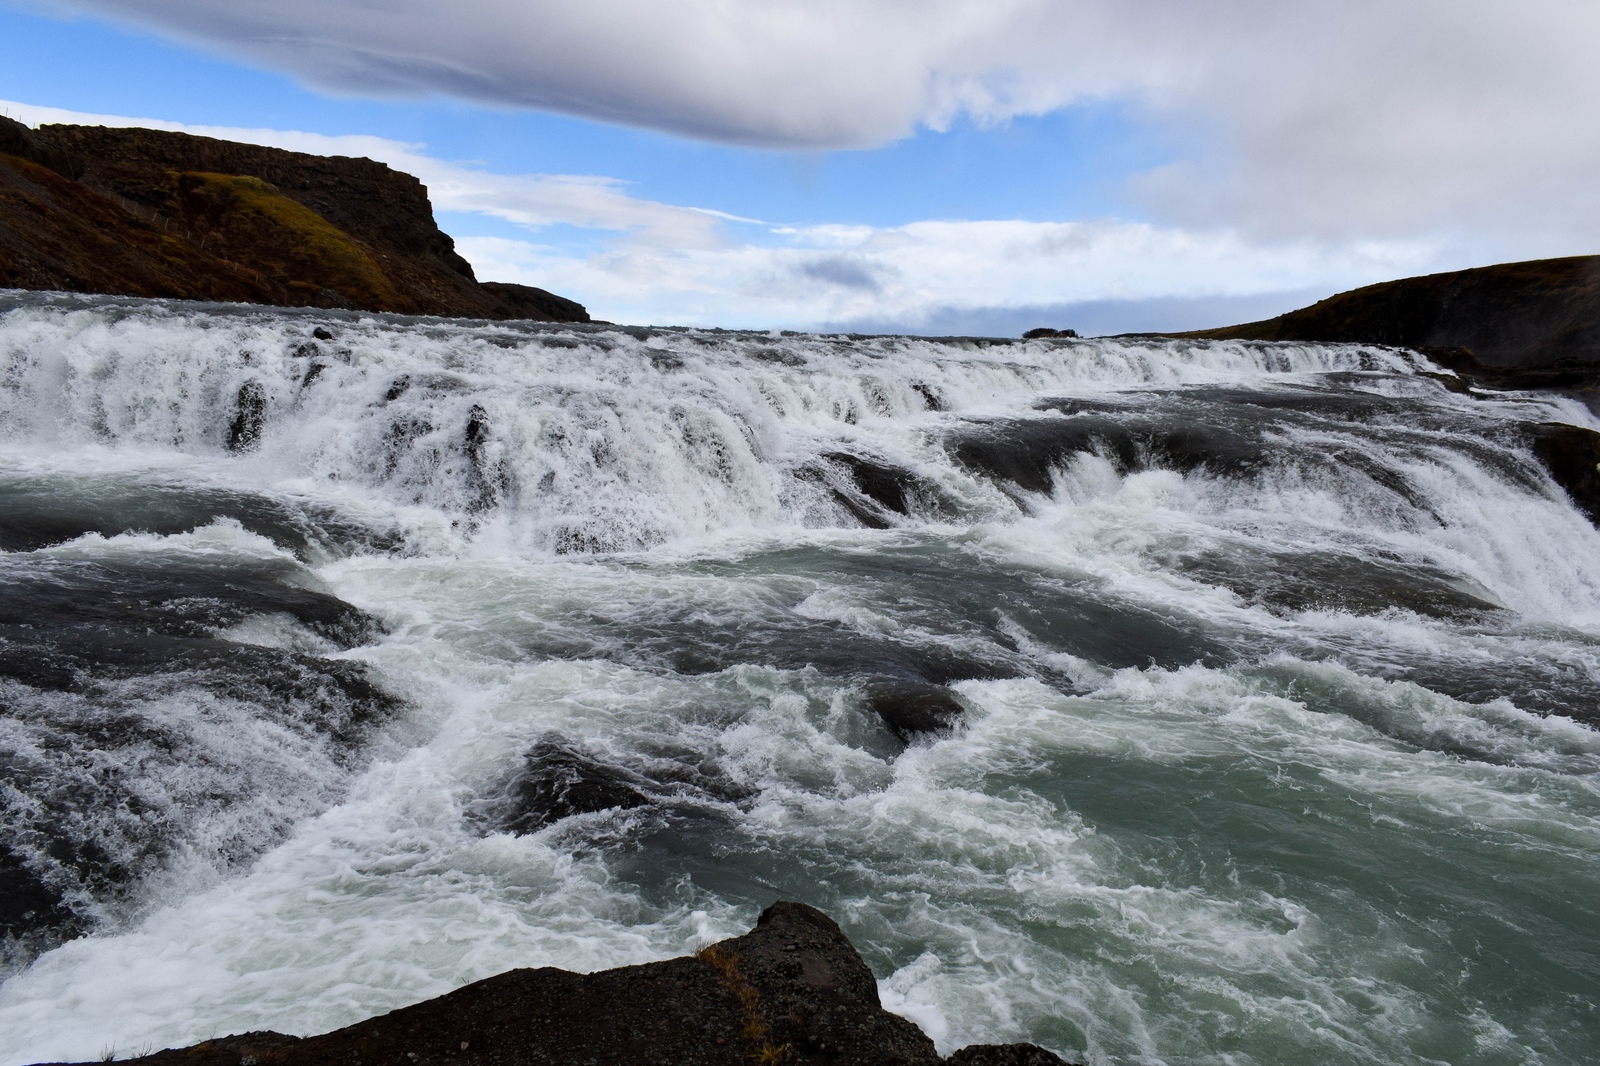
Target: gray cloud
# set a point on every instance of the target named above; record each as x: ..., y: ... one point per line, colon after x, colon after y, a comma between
x: 1320, y: 117
x: 841, y: 272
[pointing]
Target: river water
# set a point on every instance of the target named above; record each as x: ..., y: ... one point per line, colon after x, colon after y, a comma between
x: 1156, y: 702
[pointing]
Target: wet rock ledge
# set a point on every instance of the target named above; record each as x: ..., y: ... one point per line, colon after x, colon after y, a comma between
x: 791, y: 991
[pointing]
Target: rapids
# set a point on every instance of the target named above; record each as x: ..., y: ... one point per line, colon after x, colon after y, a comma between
x: 1156, y: 702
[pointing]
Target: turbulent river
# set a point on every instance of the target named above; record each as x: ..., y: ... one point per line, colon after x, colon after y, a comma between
x: 1156, y: 702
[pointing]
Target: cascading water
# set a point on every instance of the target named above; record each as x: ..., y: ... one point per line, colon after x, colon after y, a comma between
x: 1151, y: 701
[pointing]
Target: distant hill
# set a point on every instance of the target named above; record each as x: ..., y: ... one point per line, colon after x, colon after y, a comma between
x: 1542, y: 314
x: 150, y: 213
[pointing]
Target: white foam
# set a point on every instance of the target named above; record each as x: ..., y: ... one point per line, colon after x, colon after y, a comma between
x: 605, y: 440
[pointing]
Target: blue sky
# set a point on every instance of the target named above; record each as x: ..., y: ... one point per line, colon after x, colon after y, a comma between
x: 843, y: 191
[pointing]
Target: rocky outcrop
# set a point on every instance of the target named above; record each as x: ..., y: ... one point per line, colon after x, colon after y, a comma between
x: 1565, y: 374
x: 793, y: 990
x: 1533, y: 325
x: 1539, y: 314
x: 1572, y: 455
x: 151, y: 213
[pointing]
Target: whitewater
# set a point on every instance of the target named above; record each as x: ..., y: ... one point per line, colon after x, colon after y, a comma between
x: 1153, y: 701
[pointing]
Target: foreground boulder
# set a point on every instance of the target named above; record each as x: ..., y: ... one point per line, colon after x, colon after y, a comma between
x: 793, y: 990
x: 135, y: 212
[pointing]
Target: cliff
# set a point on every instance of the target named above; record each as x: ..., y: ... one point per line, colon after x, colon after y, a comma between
x: 1511, y: 317
x: 791, y: 991
x: 150, y: 213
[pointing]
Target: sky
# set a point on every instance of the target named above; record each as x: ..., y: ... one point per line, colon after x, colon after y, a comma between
x: 925, y: 166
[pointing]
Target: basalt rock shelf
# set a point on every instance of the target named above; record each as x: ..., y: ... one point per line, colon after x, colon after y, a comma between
x: 152, y: 213
x: 792, y: 990
x: 1511, y: 315
x: 1531, y: 325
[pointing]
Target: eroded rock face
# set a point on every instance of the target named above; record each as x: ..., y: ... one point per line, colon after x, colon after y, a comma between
x: 153, y: 213
x: 1572, y: 455
x: 793, y: 990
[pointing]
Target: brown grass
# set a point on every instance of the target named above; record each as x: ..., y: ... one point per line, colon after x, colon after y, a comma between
x: 755, y: 1030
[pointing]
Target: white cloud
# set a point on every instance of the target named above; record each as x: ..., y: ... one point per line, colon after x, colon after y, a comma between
x: 910, y: 275
x: 1332, y: 117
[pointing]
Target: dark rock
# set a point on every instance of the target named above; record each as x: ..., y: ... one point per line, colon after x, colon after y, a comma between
x: 777, y: 356
x: 1027, y: 452
x: 1288, y: 582
x: 35, y: 514
x: 15, y: 138
x: 1565, y: 373
x: 525, y: 301
x: 153, y: 213
x: 793, y: 990
x: 930, y: 396
x: 910, y: 708
x: 399, y: 438
x: 1532, y: 314
x: 558, y: 781
x: 1572, y: 455
x: 1024, y: 452
x: 692, y: 646
x: 880, y: 482
x: 487, y: 479
x: 249, y: 417
x: 1045, y: 331
x: 871, y: 490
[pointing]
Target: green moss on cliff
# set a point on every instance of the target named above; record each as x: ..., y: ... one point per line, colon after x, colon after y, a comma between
x: 57, y: 234
x: 247, y: 221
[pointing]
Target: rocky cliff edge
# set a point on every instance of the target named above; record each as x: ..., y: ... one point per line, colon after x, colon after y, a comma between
x: 1509, y: 318
x: 139, y: 212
